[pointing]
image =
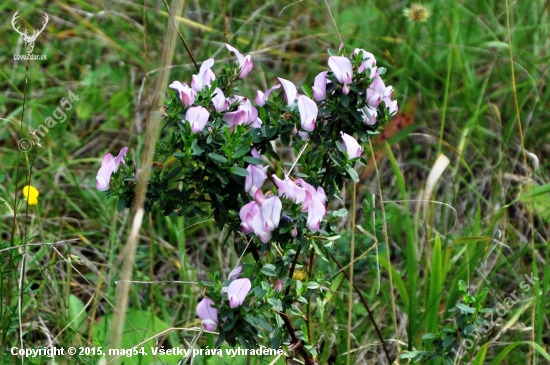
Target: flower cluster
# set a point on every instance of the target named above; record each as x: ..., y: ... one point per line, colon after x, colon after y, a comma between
x: 236, y: 292
x: 198, y: 115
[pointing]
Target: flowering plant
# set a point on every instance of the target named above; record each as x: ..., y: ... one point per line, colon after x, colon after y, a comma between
x: 222, y: 146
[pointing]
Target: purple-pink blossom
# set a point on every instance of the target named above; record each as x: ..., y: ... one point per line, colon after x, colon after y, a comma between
x: 205, y: 76
x: 353, y: 148
x: 219, y: 101
x: 262, y: 97
x: 109, y: 165
x: 290, y: 91
x: 235, y: 273
x: 237, y: 292
x: 271, y: 213
x: 247, y: 213
x: 261, y: 216
x: 245, y: 63
x: 208, y: 314
x: 391, y: 105
x: 255, y: 179
x: 369, y: 62
x: 308, y: 112
x: 185, y: 93
x: 197, y: 116
x: 290, y: 189
x: 319, y: 88
x: 315, y: 214
x: 343, y: 71
x: 246, y: 114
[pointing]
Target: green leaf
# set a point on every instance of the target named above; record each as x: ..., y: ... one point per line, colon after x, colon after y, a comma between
x: 352, y: 173
x: 77, y: 314
x: 462, y: 286
x: 240, y: 152
x: 219, y: 159
x: 313, y: 285
x: 341, y: 213
x: 321, y: 309
x: 429, y: 336
x: 276, y: 304
x: 307, y: 90
x: 121, y: 204
x: 253, y: 160
x: 464, y: 308
x: 432, y: 315
x: 269, y: 270
x: 410, y: 354
x: 239, y: 171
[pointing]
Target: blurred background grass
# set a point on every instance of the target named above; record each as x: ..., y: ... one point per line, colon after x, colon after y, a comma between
x: 493, y: 223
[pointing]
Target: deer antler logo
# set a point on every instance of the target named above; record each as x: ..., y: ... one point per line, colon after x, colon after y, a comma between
x: 29, y: 39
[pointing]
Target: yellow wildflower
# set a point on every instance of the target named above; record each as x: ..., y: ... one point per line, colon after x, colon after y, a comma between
x: 31, y: 194
x: 299, y: 275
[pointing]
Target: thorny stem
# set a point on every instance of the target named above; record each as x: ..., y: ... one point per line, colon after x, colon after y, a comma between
x: 371, y: 316
x: 308, y: 314
x: 295, y: 341
x: 296, y: 344
x: 291, y: 273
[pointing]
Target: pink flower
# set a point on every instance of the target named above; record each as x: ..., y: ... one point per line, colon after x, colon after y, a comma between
x: 234, y: 274
x: 208, y: 314
x: 197, y: 116
x: 205, y: 76
x: 247, y: 213
x: 258, y: 227
x: 289, y: 189
x: 369, y: 115
x: 380, y: 88
x: 261, y: 216
x: 290, y: 91
x: 271, y: 213
x: 255, y: 153
x: 185, y: 93
x: 343, y: 71
x: 245, y: 63
x: 368, y: 61
x: 390, y: 105
x: 109, y: 165
x: 261, y: 97
x: 315, y: 214
x: 245, y: 114
x: 320, y: 86
x: 314, y: 205
x: 237, y: 292
x: 352, y: 147
x: 220, y: 104
x: 278, y: 285
x: 373, y: 98
x: 308, y: 112
x: 255, y: 179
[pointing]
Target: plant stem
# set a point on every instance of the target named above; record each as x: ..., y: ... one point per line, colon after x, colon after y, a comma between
x: 371, y: 316
x: 295, y: 341
x: 291, y: 273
